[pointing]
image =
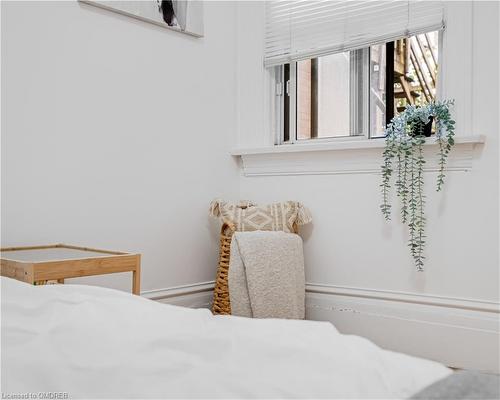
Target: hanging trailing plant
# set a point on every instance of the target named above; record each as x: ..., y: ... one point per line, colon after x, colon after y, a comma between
x: 403, y: 157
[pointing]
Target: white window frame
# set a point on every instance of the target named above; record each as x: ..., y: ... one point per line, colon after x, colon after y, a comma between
x: 279, y: 89
x: 261, y: 155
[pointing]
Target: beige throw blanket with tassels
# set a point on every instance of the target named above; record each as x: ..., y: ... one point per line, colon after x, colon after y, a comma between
x: 266, y: 275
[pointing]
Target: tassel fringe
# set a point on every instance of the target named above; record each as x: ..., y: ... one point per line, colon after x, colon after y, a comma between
x: 304, y: 215
x: 214, y: 210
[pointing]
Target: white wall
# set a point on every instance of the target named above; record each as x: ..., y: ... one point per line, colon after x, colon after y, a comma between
x: 349, y: 243
x: 360, y: 273
x: 116, y: 133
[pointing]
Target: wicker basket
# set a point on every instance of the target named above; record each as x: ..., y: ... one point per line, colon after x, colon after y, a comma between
x: 221, y: 304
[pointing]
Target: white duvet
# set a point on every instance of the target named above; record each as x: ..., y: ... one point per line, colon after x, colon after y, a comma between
x: 100, y: 343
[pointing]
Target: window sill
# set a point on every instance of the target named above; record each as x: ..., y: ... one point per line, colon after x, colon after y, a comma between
x: 348, y: 144
x: 343, y: 157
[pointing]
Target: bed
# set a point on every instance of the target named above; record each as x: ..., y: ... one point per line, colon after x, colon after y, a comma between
x: 90, y: 342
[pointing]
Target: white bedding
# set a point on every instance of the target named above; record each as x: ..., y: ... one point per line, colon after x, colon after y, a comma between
x: 101, y: 343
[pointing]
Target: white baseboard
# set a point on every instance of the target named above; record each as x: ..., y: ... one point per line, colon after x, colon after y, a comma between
x: 198, y: 295
x: 461, y: 333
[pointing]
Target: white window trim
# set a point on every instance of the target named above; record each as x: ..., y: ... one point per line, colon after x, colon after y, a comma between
x: 345, y: 157
x: 360, y: 155
x: 355, y: 144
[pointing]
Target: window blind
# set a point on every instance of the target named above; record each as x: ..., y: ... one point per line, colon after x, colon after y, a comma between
x: 302, y: 29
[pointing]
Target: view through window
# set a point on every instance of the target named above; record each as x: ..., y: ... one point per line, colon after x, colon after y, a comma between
x: 358, y: 92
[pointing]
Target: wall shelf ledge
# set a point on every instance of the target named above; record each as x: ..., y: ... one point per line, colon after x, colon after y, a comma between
x: 344, y: 157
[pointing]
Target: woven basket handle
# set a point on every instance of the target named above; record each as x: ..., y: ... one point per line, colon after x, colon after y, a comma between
x: 227, y: 229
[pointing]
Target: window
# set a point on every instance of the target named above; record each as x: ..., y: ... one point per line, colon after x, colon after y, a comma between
x: 355, y: 93
x: 413, y: 72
